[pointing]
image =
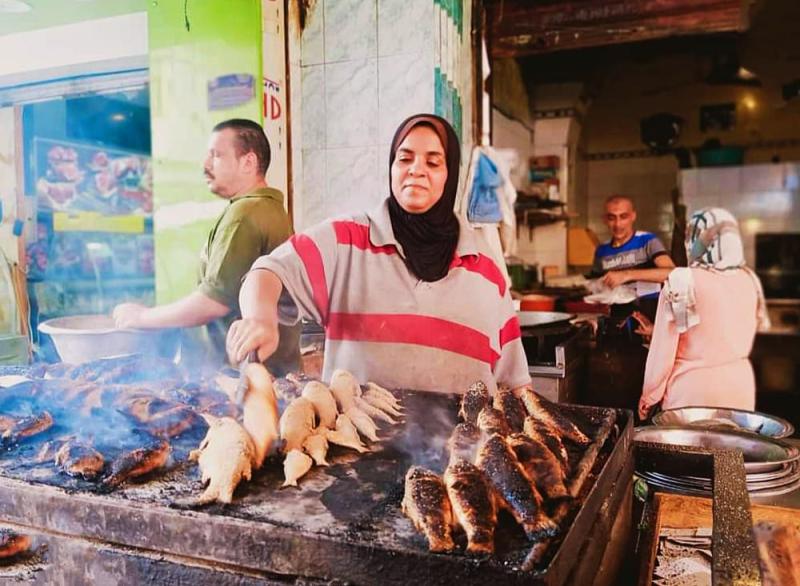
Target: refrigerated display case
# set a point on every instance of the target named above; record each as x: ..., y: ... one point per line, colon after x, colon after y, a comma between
x: 88, y: 180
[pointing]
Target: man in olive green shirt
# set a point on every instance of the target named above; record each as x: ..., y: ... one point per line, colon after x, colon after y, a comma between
x: 253, y: 224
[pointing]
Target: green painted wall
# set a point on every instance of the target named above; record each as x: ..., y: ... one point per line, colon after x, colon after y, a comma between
x: 223, y: 37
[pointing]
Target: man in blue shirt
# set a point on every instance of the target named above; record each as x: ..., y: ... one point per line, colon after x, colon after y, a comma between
x: 630, y: 255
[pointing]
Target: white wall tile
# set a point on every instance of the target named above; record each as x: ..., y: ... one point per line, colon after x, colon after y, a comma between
x: 314, y: 186
x: 351, y: 103
x: 350, y: 30
x: 761, y: 178
x: 313, y: 107
x: 313, y: 43
x: 721, y: 180
x: 405, y: 26
x: 352, y: 180
x: 405, y: 87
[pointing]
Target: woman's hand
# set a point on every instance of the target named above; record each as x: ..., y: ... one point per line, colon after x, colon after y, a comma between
x: 644, y: 409
x: 645, y: 328
x: 250, y: 334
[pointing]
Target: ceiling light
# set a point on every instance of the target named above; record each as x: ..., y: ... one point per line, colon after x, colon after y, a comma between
x: 15, y: 6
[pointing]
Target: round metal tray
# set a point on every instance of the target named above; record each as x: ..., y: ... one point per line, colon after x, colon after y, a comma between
x: 532, y: 319
x: 761, y: 454
x: 674, y: 485
x: 726, y: 419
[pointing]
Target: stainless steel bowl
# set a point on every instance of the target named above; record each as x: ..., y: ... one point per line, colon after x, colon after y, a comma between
x: 761, y: 454
x: 726, y: 419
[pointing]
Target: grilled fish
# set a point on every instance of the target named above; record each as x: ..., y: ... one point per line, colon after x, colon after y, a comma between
x: 346, y: 435
x: 425, y: 502
x: 373, y: 411
x: 537, y: 430
x: 498, y: 462
x: 364, y: 423
x: 173, y: 422
x: 13, y: 543
x: 324, y: 403
x: 511, y: 407
x: 296, y: 424
x: 316, y: 446
x: 27, y: 427
x: 79, y: 459
x: 473, y: 402
x: 473, y: 505
x: 464, y: 442
x: 549, y: 414
x: 295, y: 467
x: 225, y: 456
x: 490, y: 421
x: 383, y: 399
x: 138, y: 462
x: 345, y: 389
x: 540, y: 466
x: 260, y: 411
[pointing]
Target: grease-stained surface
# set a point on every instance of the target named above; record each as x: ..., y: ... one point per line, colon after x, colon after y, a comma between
x: 343, y: 522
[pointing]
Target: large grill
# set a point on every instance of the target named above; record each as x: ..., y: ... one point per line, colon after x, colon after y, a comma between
x: 344, y: 523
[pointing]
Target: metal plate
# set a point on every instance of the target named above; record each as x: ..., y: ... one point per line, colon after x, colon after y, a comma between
x: 532, y: 319
x: 760, y: 454
x: 724, y: 419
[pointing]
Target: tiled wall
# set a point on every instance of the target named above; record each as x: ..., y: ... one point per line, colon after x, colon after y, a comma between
x: 764, y: 198
x: 363, y: 67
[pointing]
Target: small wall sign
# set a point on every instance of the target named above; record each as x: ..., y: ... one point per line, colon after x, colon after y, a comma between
x: 228, y: 91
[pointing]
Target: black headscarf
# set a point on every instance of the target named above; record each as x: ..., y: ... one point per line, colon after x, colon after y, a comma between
x: 428, y: 239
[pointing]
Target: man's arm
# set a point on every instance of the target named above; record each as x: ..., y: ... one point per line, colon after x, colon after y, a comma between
x: 664, y: 266
x: 195, y: 309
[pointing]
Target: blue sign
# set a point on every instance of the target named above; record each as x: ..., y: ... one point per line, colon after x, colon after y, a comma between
x: 228, y: 91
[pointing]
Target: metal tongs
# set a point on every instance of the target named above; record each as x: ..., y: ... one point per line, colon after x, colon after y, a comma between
x: 241, y: 387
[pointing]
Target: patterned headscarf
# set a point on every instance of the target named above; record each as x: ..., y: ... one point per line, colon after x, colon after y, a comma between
x: 713, y: 240
x: 713, y: 243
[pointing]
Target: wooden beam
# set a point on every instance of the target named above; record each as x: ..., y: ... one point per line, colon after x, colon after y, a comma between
x: 519, y: 27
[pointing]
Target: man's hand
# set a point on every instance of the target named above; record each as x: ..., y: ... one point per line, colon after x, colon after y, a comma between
x: 614, y: 279
x: 129, y: 315
x: 250, y: 334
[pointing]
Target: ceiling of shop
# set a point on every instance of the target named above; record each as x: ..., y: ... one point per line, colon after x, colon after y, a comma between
x: 521, y: 27
x: 49, y: 13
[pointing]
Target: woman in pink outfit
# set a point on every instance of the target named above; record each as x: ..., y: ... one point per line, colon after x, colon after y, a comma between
x: 707, y: 319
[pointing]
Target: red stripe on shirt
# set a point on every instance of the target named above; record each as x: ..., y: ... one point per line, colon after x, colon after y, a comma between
x: 510, y: 331
x: 421, y: 330
x: 355, y: 234
x: 312, y: 261
x: 484, y: 266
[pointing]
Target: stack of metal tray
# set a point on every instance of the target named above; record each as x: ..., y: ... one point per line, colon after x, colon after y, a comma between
x: 772, y: 466
x: 726, y: 419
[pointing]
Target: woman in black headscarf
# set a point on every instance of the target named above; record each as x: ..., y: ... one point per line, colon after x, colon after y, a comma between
x: 408, y: 296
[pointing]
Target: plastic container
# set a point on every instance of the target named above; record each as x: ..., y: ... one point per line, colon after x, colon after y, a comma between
x: 81, y: 338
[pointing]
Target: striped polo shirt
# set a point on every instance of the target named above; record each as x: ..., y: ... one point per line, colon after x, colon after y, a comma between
x: 638, y: 252
x: 384, y: 324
